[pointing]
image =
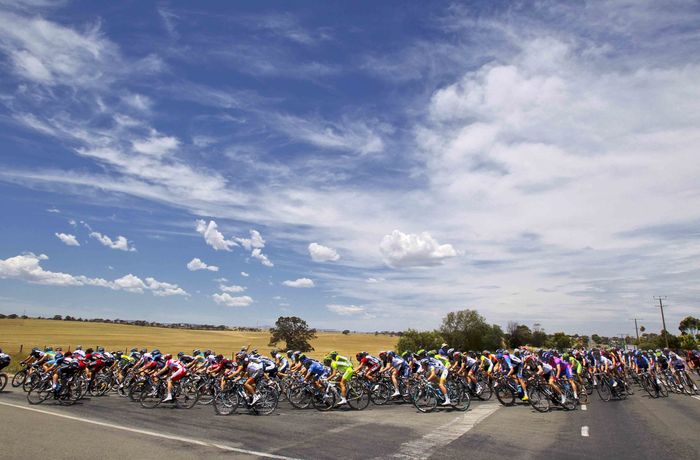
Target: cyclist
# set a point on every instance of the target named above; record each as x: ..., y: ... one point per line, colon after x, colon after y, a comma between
x: 516, y: 370
x: 65, y: 366
x: 252, y: 369
x: 281, y: 361
x: 340, y: 366
x: 547, y: 371
x: 4, y: 360
x: 563, y: 369
x: 398, y: 368
x: 437, y: 371
x: 369, y: 364
x: 176, y: 369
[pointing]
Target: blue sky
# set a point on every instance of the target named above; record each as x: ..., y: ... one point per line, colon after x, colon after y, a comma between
x: 361, y: 165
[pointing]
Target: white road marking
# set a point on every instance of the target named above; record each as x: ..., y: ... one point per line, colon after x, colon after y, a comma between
x: 584, y: 431
x: 422, y: 447
x: 584, y: 407
x: 697, y: 397
x: 150, y: 433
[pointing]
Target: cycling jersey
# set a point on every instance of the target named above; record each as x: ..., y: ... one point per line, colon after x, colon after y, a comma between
x: 342, y: 365
x: 371, y: 363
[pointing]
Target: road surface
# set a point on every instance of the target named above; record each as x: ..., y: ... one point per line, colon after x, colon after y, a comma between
x: 112, y: 427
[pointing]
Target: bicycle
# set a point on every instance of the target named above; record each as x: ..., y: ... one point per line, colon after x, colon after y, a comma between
x: 426, y: 397
x: 227, y: 400
x: 184, y: 395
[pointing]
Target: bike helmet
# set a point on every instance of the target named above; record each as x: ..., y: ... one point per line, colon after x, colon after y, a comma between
x: 167, y: 357
x: 133, y: 350
x: 406, y: 354
x: 155, y: 352
x: 333, y: 354
x: 100, y: 349
x: 382, y: 355
x: 360, y: 356
x: 181, y: 354
x: 143, y: 350
x: 421, y: 353
x: 516, y: 352
x: 196, y: 351
x: 391, y: 354
x: 301, y: 357
x: 456, y: 355
x: 290, y: 353
x: 327, y: 361
x: 79, y: 347
x: 89, y: 350
x: 431, y: 353
x: 48, y: 349
x: 485, y: 352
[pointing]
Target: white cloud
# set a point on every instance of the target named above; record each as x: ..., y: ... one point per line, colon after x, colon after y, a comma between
x: 320, y: 253
x: 300, y: 283
x: 72, y: 223
x: 244, y: 274
x: 346, y: 310
x: 233, y: 288
x: 67, y: 238
x: 27, y: 267
x: 120, y: 243
x: 53, y: 210
x: 197, y: 264
x: 354, y: 136
x: 373, y: 280
x: 414, y: 250
x: 213, y: 237
x: 139, y: 102
x: 156, y: 145
x: 257, y: 254
x: 231, y: 301
x: 255, y: 241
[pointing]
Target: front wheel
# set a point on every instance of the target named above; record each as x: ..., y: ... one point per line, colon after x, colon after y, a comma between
x: 461, y: 400
x: 225, y: 402
x: 19, y: 378
x: 151, y: 396
x: 380, y: 393
x: 604, y: 390
x: 505, y: 395
x: 267, y: 402
x: 539, y: 400
x: 357, y: 397
x: 424, y: 399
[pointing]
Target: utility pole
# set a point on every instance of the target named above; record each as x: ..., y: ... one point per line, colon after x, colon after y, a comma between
x: 636, y: 329
x: 663, y: 320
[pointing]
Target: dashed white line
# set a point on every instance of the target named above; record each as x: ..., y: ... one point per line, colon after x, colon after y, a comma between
x: 150, y: 433
x: 584, y: 407
x: 422, y: 447
x: 584, y: 431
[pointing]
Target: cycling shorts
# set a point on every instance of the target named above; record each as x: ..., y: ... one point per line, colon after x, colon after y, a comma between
x: 568, y: 373
x: 442, y: 374
x: 374, y: 368
x: 256, y: 374
x: 347, y: 375
x: 178, y: 375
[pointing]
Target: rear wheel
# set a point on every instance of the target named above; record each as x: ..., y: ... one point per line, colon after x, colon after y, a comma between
x: 299, y: 396
x: 460, y: 399
x: 187, y: 396
x: 324, y: 401
x: 39, y: 392
x: 483, y: 389
x: 267, y: 402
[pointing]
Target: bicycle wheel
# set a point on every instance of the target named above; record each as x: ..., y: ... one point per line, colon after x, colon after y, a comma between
x: 299, y: 396
x: 225, y: 402
x: 604, y: 390
x: 39, y: 392
x: 505, y: 394
x: 424, y: 399
x: 460, y: 399
x: 31, y: 381
x: 100, y: 385
x: 187, y: 395
x: 570, y: 402
x: 628, y: 388
x: 539, y: 400
x: 324, y: 401
x: 136, y: 389
x: 267, y: 402
x: 483, y: 389
x: 380, y: 393
x: 357, y: 397
x: 19, y: 378
x: 582, y: 393
x: 151, y: 396
x: 206, y: 393
x: 69, y: 394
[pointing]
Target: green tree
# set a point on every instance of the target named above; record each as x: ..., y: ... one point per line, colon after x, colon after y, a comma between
x: 413, y: 340
x: 689, y: 325
x: 493, y: 339
x: 518, y: 334
x: 559, y: 340
x: 596, y: 338
x: 465, y: 330
x: 294, y: 332
x: 539, y: 338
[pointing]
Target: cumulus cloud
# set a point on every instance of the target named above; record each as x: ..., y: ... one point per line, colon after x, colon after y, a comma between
x: 213, y: 237
x: 67, y: 239
x: 345, y: 310
x: 244, y: 274
x: 320, y: 253
x: 257, y: 254
x: 231, y: 301
x: 27, y: 267
x: 414, y: 250
x: 120, y: 243
x: 234, y: 288
x: 300, y: 283
x: 255, y: 241
x: 197, y: 264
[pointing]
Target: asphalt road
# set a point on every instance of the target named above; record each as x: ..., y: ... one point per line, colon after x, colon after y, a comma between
x: 112, y: 427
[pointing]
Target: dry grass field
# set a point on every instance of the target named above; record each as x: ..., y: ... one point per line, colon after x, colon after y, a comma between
x: 37, y: 332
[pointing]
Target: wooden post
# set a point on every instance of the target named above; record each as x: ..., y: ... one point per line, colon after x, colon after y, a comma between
x: 21, y: 347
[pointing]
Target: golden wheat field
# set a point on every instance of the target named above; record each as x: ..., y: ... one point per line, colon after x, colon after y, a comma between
x: 38, y: 332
